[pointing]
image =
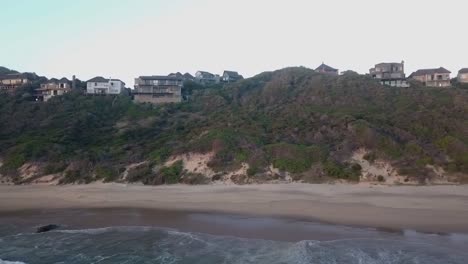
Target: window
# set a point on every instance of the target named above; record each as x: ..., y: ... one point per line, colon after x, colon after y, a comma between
x: 95, y: 84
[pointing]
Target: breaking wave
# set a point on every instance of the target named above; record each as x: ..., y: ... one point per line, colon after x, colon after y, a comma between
x: 10, y: 262
x: 145, y: 244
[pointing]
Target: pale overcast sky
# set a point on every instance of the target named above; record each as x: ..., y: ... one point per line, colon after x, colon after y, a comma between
x: 127, y: 38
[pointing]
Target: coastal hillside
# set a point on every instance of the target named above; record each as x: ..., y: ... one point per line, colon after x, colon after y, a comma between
x: 288, y: 125
x: 4, y: 70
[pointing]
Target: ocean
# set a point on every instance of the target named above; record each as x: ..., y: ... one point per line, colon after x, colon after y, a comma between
x: 140, y: 244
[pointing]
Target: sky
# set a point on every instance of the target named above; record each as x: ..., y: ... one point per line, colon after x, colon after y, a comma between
x: 125, y: 39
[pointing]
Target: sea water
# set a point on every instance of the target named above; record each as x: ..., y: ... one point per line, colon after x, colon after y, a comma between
x: 158, y: 245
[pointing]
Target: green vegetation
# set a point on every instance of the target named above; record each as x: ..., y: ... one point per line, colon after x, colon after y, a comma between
x: 293, y: 118
x: 293, y: 158
x: 173, y: 173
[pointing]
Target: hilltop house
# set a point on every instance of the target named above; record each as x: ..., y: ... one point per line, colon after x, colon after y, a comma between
x: 158, y: 89
x: 102, y: 86
x: 186, y: 77
x: 231, y: 76
x: 53, y: 88
x: 177, y: 74
x: 433, y: 77
x: 10, y: 82
x: 206, y: 77
x: 390, y: 74
x: 463, y: 76
x: 326, y: 69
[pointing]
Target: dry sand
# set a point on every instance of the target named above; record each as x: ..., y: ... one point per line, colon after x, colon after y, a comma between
x: 441, y: 209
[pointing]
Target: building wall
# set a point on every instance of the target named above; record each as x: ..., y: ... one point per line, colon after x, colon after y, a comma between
x: 396, y: 83
x: 14, y: 81
x: 149, y: 98
x: 47, y: 95
x: 112, y: 88
x: 55, y: 86
x: 443, y: 81
x: 388, y: 71
x: 463, y: 77
x: 438, y: 83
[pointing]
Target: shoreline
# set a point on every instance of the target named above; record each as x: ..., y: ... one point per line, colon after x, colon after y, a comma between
x: 428, y: 209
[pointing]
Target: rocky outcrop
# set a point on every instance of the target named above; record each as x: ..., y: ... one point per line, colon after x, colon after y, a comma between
x: 47, y: 228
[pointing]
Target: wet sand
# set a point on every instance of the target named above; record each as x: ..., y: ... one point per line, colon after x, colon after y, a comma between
x: 435, y: 209
x: 267, y: 228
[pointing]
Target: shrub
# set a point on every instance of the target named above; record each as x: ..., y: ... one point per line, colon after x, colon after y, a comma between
x: 173, y: 173
x: 343, y: 171
x: 293, y: 158
x: 71, y: 176
x: 13, y: 161
x: 381, y: 178
x: 53, y: 168
x: 160, y: 155
x: 370, y: 157
x: 106, y: 173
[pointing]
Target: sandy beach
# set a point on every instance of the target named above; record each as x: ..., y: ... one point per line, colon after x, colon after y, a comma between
x: 437, y: 209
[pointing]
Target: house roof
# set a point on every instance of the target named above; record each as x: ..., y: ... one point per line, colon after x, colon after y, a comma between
x: 464, y: 70
x: 63, y: 80
x: 325, y: 68
x: 178, y: 75
x: 159, y: 77
x: 206, y: 74
x: 429, y: 71
x: 232, y: 74
x: 389, y: 63
x: 188, y: 76
x: 100, y: 79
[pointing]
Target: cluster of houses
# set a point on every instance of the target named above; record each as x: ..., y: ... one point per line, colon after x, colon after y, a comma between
x: 158, y: 89
x: 148, y: 89
x: 393, y: 74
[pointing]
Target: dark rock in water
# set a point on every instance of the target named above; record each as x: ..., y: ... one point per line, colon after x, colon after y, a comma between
x: 47, y: 228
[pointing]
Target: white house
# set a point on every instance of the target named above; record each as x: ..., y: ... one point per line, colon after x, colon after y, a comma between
x: 207, y: 78
x: 463, y: 76
x: 100, y: 85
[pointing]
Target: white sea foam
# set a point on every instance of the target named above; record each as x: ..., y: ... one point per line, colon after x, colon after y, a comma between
x: 10, y: 262
x: 98, y: 231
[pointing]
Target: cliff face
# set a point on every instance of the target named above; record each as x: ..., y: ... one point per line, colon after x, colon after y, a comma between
x: 288, y: 125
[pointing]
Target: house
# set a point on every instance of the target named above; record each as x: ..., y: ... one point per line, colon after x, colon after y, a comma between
x: 463, y: 76
x: 207, y: 78
x: 187, y: 76
x: 10, y: 82
x: 326, y: 69
x: 53, y: 88
x: 439, y: 77
x: 158, y: 89
x: 178, y: 75
x: 102, y: 86
x: 390, y: 74
x: 231, y: 76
